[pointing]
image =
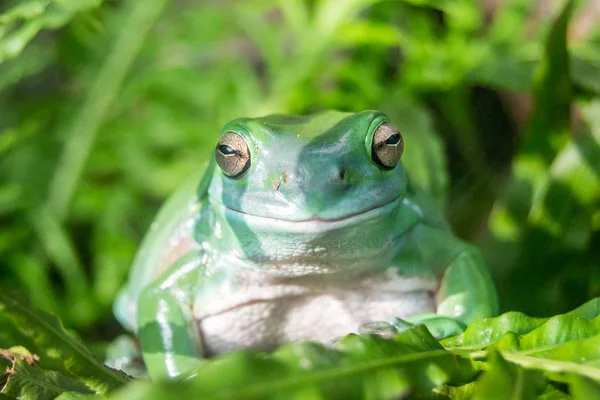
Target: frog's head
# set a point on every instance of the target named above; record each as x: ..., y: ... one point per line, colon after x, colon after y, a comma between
x: 310, y: 193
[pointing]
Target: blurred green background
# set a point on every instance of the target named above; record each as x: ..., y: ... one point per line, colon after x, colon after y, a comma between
x: 106, y: 106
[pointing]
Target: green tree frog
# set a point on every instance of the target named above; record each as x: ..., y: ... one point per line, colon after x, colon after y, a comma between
x: 302, y: 227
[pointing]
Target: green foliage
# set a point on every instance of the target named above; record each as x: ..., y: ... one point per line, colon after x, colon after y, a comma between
x: 509, y: 356
x: 508, y: 381
x: 359, y: 367
x: 44, y: 335
x: 22, y: 20
x: 30, y: 382
x: 553, y: 185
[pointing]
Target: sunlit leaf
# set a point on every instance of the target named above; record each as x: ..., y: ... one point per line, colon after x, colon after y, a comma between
x: 45, y: 336
x: 516, y: 331
x: 502, y: 380
x: 31, y: 382
x: 583, y: 388
x: 359, y: 367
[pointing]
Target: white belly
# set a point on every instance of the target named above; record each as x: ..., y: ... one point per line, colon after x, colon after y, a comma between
x: 261, y: 315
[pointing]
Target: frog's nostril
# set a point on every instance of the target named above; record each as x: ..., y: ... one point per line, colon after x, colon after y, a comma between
x: 342, y: 174
x: 276, y: 184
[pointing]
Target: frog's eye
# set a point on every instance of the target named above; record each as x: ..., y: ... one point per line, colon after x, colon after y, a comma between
x: 387, y: 146
x: 232, y: 155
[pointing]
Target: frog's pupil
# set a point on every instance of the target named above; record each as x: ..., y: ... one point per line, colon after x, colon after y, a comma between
x: 227, y: 150
x: 393, y: 139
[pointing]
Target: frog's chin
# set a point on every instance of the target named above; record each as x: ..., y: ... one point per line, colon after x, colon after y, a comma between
x: 293, y: 248
x: 314, y: 224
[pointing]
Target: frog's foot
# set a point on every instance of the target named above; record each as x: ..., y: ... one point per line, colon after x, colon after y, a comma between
x: 439, y: 326
x: 386, y: 329
x: 331, y: 343
x: 124, y: 353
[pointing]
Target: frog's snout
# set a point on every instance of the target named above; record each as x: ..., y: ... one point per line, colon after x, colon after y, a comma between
x: 316, y: 179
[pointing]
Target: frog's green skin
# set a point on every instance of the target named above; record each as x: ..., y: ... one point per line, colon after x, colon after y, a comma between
x: 312, y: 242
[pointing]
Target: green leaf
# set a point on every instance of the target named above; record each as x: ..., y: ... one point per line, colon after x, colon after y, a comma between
x: 487, y: 331
x: 552, y: 94
x: 552, y: 393
x: 503, y: 380
x: 31, y: 382
x: 547, y: 130
x: 556, y: 330
x: 583, y: 351
x: 367, y: 366
x: 464, y: 392
x: 21, y: 21
x: 560, y: 346
x: 78, y: 396
x: 589, y: 310
x: 143, y: 390
x: 368, y: 33
x: 516, y: 331
x: 584, y: 388
x: 44, y: 335
x: 586, y: 73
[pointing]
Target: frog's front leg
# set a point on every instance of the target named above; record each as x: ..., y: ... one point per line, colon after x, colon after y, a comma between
x: 466, y: 291
x: 168, y: 335
x: 124, y: 353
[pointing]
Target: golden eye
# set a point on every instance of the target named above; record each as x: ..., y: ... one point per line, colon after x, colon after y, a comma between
x: 387, y: 146
x: 232, y: 155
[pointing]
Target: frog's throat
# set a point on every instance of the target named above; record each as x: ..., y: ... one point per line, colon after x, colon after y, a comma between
x: 315, y: 224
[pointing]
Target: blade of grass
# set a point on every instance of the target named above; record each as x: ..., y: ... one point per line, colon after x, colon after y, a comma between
x: 140, y: 16
x: 547, y: 132
x: 61, y: 251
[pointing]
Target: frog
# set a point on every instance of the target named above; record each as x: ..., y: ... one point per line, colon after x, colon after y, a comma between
x: 301, y: 227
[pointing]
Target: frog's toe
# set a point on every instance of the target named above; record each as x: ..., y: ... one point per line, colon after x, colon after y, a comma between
x: 439, y: 326
x: 123, y: 353
x: 331, y: 343
x: 381, y: 328
x: 386, y: 329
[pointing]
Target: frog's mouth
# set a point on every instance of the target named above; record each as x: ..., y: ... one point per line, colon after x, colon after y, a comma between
x: 315, y: 223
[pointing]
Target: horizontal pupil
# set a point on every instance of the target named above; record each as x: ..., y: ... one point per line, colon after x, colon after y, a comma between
x: 227, y: 150
x: 393, y: 139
